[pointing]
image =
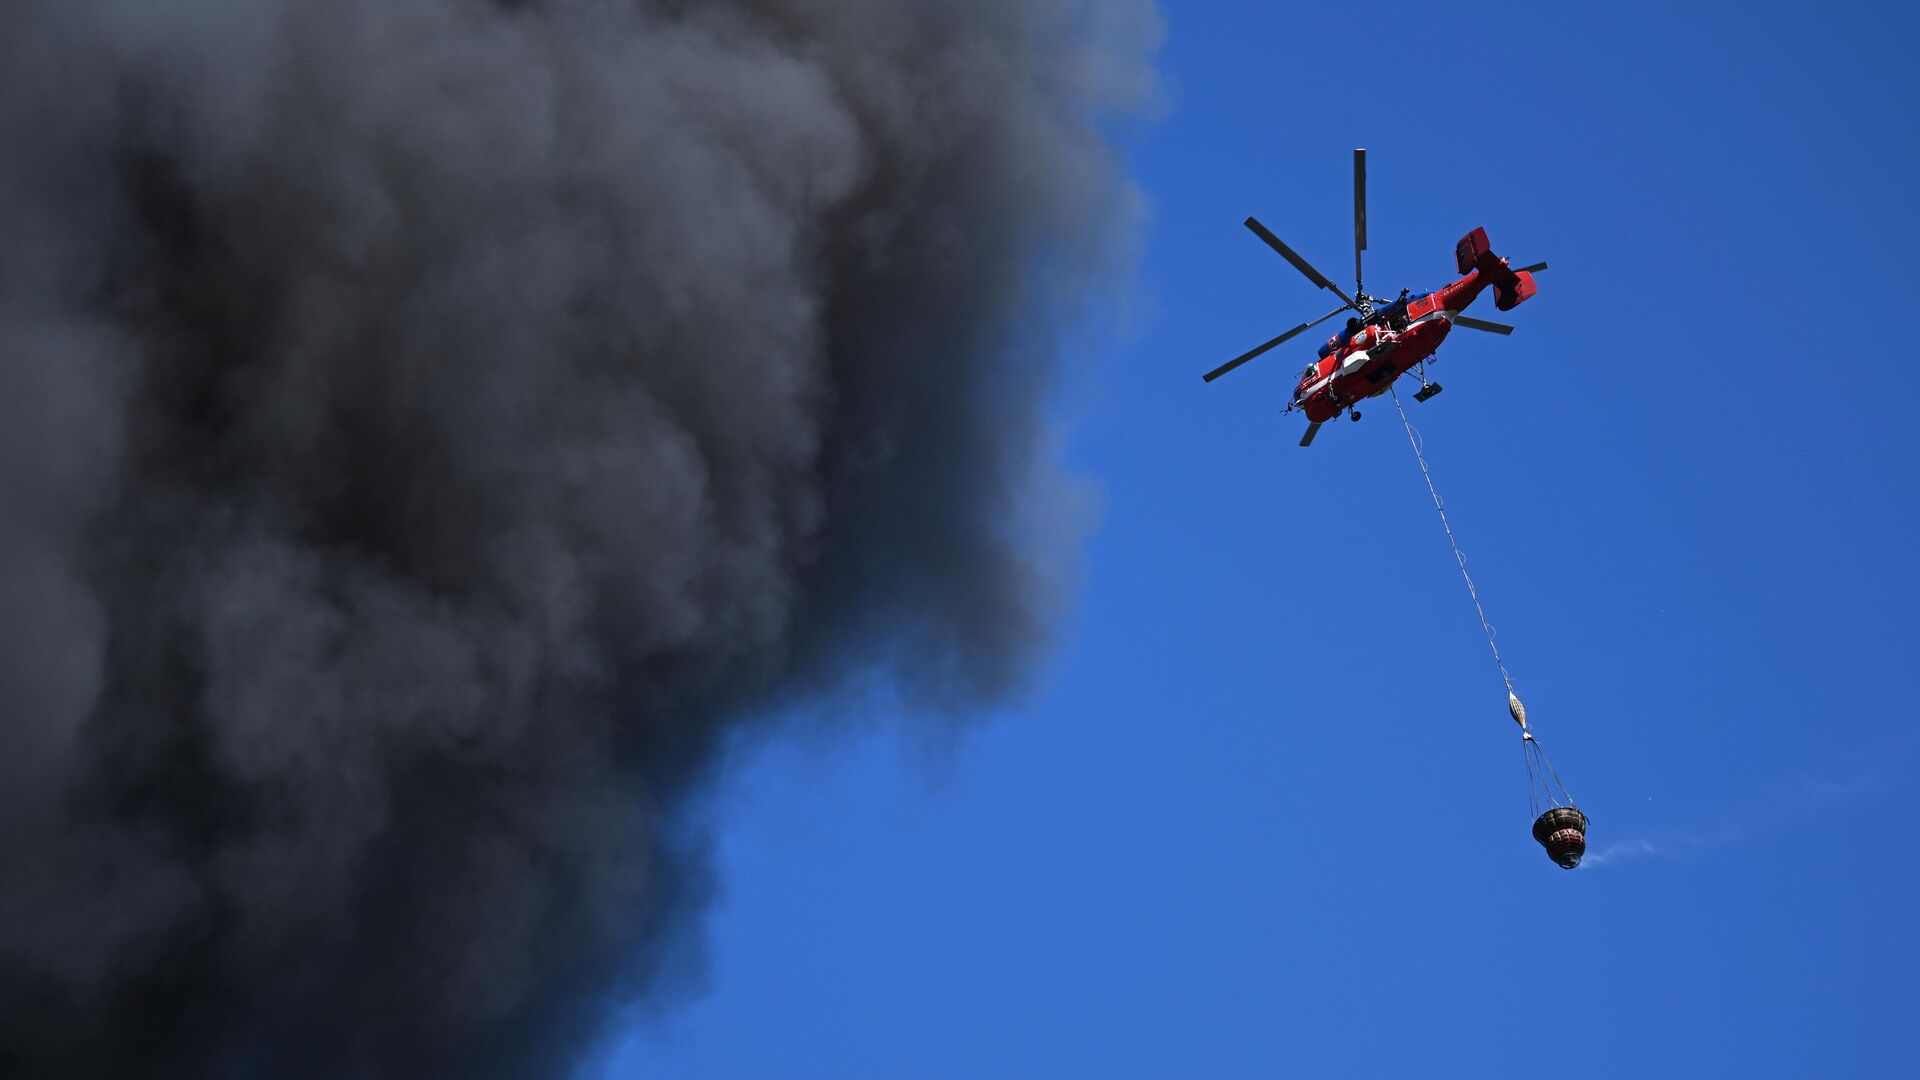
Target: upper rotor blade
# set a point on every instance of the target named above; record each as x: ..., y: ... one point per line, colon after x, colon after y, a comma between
x: 1481, y: 324
x: 1299, y: 263
x: 1258, y: 349
x: 1534, y: 269
x: 1359, y: 214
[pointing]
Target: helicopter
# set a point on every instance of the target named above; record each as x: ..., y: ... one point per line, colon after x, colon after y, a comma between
x: 1385, y: 339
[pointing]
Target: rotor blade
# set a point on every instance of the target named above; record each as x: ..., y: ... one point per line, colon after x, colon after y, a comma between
x: 1249, y: 354
x: 1534, y: 269
x: 1482, y: 324
x: 1312, y: 430
x: 1257, y: 350
x: 1299, y: 263
x: 1359, y: 214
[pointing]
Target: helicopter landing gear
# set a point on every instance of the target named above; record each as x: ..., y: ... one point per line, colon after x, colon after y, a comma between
x: 1354, y: 416
x: 1427, y: 389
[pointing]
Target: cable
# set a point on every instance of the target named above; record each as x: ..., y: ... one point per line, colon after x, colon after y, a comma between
x: 1458, y: 556
x: 1543, y: 780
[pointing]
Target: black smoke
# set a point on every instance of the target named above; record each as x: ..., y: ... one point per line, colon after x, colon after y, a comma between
x: 430, y: 428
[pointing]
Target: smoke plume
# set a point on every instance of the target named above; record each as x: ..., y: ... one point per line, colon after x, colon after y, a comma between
x: 429, y: 428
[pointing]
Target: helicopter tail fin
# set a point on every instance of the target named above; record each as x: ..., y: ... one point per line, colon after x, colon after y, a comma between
x: 1511, y: 288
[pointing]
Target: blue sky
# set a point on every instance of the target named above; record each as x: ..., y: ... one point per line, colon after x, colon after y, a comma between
x: 1263, y: 814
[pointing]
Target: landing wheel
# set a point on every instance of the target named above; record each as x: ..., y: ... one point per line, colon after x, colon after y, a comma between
x: 1354, y: 416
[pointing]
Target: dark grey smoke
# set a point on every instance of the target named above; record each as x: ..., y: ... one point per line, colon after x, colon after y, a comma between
x: 429, y: 428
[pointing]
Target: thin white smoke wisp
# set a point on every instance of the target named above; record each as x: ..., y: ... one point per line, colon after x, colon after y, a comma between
x: 1858, y: 777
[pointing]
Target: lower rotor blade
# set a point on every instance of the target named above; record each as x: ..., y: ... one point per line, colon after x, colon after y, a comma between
x: 1534, y: 269
x: 1482, y: 324
x: 1258, y: 349
x: 1249, y: 354
x: 1312, y: 430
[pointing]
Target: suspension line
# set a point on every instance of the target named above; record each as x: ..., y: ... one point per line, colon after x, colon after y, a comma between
x: 1413, y: 440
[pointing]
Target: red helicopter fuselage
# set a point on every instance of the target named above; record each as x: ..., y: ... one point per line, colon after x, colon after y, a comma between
x: 1360, y: 363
